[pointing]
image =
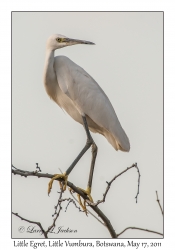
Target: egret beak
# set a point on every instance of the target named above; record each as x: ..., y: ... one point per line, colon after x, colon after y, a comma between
x: 71, y: 41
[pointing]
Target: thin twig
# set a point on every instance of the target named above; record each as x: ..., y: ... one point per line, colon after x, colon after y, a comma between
x: 37, y: 167
x: 159, y: 202
x: 137, y: 228
x: 115, y: 177
x: 56, y: 213
x: 72, y: 201
x: 89, y: 211
x: 138, y: 181
x: 33, y: 222
x: 58, y: 203
x: 14, y: 167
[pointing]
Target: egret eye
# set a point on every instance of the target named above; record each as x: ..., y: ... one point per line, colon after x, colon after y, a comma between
x: 58, y: 40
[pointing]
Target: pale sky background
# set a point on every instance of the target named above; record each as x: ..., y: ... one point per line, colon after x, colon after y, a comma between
x: 127, y: 62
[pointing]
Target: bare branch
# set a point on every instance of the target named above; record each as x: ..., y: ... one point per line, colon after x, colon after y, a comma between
x: 105, y: 220
x: 137, y: 228
x: 33, y: 222
x: 72, y: 201
x: 56, y: 213
x: 138, y: 181
x: 88, y: 211
x: 60, y: 200
x: 77, y: 190
x: 115, y: 177
x: 159, y: 203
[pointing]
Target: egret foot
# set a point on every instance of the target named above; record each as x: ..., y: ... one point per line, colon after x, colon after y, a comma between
x: 88, y: 193
x: 56, y: 176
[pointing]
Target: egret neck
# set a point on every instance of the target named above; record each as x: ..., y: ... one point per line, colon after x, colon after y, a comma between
x: 50, y: 79
x: 49, y: 73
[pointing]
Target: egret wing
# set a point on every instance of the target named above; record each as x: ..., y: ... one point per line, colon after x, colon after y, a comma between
x: 89, y: 98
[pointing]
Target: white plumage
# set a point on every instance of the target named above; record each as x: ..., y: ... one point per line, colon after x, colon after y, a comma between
x: 75, y: 91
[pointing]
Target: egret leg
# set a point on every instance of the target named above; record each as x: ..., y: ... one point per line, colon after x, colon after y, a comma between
x: 89, y: 186
x: 94, y: 155
x: 64, y: 176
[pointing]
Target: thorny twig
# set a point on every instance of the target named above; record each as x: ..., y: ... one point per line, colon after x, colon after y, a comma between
x: 57, y: 213
x: 138, y: 181
x: 72, y: 201
x: 115, y: 177
x: 58, y: 203
x: 159, y: 203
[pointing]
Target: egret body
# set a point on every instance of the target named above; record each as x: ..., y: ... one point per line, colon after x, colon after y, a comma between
x: 75, y: 91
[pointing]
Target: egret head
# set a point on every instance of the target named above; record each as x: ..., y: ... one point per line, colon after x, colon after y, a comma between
x: 59, y: 41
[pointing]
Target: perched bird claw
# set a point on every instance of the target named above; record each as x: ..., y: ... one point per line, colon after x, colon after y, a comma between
x: 88, y: 193
x: 57, y: 176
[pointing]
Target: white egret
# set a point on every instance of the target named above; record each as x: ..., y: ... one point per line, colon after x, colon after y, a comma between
x: 75, y: 91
